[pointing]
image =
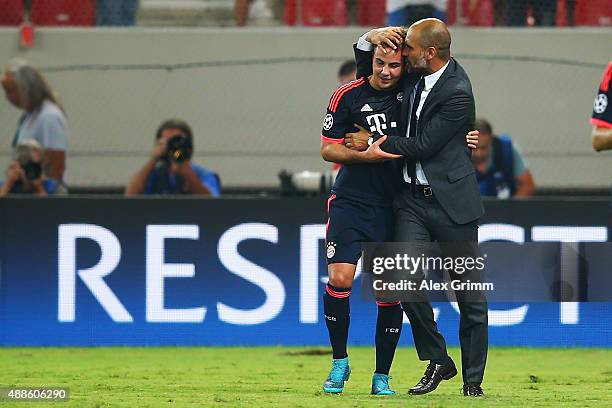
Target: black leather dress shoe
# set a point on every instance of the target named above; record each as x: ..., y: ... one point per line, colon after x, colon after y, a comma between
x: 472, y: 390
x: 434, y: 374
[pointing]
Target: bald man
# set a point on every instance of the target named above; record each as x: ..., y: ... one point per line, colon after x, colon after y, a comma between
x: 439, y: 199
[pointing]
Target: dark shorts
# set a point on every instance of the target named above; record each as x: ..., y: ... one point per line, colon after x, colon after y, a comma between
x: 352, y: 223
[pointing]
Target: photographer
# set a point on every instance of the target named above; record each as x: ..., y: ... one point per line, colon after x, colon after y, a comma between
x: 25, y: 174
x: 43, y: 117
x: 170, y: 170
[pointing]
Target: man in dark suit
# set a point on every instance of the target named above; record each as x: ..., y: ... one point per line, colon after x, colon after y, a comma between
x: 440, y: 199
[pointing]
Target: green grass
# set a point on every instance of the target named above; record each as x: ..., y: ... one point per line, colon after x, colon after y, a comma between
x: 289, y: 377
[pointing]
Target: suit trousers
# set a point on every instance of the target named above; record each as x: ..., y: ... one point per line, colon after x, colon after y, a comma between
x: 422, y: 219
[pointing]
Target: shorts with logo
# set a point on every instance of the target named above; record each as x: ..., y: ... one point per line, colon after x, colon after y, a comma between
x: 351, y: 223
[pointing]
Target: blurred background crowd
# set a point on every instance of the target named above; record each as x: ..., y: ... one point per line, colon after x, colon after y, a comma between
x: 483, y: 13
x: 100, y: 110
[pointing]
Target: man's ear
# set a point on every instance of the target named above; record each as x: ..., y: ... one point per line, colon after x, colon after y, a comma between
x: 430, y: 53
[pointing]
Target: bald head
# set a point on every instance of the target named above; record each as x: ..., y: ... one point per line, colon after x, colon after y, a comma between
x: 432, y: 32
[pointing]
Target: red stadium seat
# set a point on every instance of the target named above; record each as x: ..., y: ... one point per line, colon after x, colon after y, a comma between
x: 11, y: 12
x: 318, y: 12
x: 483, y: 14
x: 451, y: 12
x: 372, y: 13
x: 593, y: 13
x: 63, y: 12
x: 561, y: 18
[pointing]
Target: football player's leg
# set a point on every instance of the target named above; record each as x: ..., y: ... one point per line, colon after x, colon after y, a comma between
x: 390, y: 316
x: 388, y: 330
x: 343, y: 248
x: 336, y: 305
x: 337, y: 318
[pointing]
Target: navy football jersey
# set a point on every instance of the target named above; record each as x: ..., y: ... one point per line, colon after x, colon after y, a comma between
x: 602, y: 112
x: 378, y: 111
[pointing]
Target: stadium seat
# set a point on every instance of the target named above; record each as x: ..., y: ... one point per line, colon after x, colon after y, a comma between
x: 63, y: 12
x: 561, y: 17
x: 483, y: 14
x: 593, y: 13
x: 451, y: 12
x: 11, y: 12
x: 317, y: 12
x: 372, y: 13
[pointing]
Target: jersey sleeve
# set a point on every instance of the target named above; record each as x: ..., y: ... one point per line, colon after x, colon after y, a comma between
x: 602, y: 112
x: 336, y: 120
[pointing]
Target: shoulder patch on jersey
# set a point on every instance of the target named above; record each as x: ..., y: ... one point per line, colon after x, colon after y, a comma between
x: 366, y: 108
x: 328, y: 121
x: 601, y: 103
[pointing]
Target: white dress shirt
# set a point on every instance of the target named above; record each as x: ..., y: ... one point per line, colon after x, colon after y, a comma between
x: 430, y: 81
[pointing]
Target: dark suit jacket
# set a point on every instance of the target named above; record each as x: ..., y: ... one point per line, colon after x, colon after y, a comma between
x: 446, y: 117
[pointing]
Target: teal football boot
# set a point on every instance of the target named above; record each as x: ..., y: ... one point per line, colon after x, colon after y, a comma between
x: 339, y: 373
x: 380, y: 385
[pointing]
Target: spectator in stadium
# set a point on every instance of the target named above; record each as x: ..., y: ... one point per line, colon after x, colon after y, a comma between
x: 241, y: 12
x: 407, y: 12
x: 170, y: 170
x: 501, y: 169
x: 544, y: 12
x: 116, y: 13
x: 257, y: 11
x: 43, y: 118
x: 347, y: 71
x: 601, y: 136
x: 25, y: 176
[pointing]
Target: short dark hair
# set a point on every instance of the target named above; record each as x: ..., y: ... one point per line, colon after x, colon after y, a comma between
x: 347, y: 67
x: 484, y: 126
x: 175, y: 124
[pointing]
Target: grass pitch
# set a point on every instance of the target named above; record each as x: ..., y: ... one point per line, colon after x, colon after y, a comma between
x: 292, y: 377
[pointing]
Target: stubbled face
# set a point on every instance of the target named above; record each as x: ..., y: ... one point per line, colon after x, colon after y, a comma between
x: 10, y: 90
x: 482, y: 152
x: 387, y: 69
x: 414, y: 53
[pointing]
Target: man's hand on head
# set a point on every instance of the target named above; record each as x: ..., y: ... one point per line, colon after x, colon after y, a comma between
x: 357, y: 140
x: 388, y: 38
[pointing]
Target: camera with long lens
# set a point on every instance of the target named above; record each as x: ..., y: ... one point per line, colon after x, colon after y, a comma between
x: 32, y: 170
x: 179, y: 148
x: 305, y: 183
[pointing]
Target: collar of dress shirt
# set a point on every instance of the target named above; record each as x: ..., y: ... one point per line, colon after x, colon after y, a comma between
x: 431, y: 79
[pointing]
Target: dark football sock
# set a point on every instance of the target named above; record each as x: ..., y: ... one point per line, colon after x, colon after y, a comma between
x: 388, y: 330
x: 337, y: 317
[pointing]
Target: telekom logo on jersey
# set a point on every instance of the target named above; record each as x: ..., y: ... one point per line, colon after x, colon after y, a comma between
x: 158, y: 270
x: 378, y: 123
